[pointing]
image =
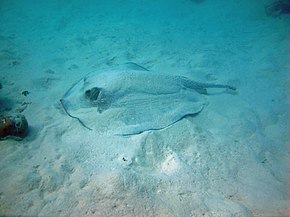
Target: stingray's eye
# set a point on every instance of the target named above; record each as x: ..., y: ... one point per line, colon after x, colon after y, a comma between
x: 88, y: 94
x: 93, y: 93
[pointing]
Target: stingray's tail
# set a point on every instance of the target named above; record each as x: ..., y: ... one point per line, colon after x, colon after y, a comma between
x: 209, y: 85
x: 202, y: 87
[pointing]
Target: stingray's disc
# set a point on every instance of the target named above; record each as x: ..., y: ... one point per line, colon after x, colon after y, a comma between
x: 130, y: 101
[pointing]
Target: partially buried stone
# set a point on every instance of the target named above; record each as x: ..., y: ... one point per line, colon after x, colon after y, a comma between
x: 13, y: 126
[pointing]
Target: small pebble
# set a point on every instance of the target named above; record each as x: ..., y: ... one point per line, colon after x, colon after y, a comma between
x: 25, y: 93
x: 73, y: 66
x: 211, y: 77
x: 49, y: 71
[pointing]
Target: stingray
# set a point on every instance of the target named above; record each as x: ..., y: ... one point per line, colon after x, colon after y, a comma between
x: 129, y: 99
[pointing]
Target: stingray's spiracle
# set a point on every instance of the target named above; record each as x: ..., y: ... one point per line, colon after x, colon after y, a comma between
x: 79, y: 120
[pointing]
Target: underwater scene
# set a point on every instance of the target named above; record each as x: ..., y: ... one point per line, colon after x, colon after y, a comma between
x: 144, y: 108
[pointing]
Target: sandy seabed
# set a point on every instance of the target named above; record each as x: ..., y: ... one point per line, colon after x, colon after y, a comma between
x: 229, y: 160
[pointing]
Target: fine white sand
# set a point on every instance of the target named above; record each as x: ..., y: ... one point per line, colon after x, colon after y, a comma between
x: 229, y: 160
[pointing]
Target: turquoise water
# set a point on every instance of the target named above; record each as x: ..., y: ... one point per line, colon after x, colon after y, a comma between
x: 230, y: 159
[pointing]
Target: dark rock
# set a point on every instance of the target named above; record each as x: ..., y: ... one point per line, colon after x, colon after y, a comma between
x: 277, y: 8
x: 13, y: 126
x: 197, y: 1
